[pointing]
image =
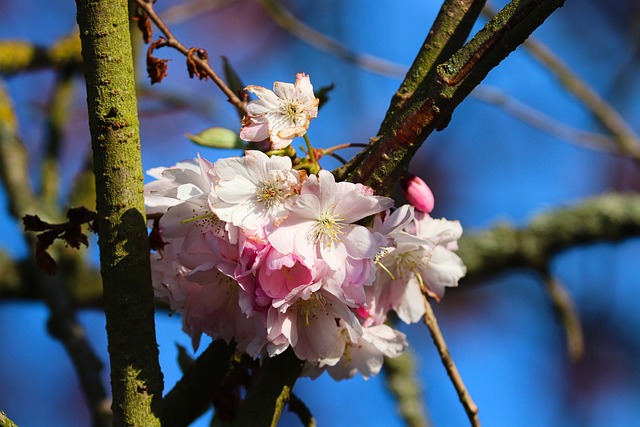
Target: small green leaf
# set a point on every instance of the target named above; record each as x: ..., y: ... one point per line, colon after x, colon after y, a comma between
x: 218, y: 138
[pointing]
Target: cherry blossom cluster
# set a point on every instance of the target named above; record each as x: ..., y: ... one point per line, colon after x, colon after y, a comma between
x: 258, y: 253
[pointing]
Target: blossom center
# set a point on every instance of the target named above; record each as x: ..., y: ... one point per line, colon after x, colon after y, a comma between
x: 270, y: 193
x: 327, y: 228
x: 293, y: 112
x: 309, y: 308
x: 407, y: 263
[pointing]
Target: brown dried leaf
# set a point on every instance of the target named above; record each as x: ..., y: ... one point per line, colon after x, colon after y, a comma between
x: 144, y: 24
x: 156, y: 68
x: 194, y: 68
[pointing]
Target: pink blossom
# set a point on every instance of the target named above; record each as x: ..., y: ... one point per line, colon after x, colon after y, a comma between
x: 321, y: 223
x: 367, y: 355
x: 282, y: 114
x: 418, y: 193
x: 250, y: 191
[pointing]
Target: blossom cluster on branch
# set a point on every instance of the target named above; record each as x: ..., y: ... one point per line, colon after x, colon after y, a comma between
x: 257, y: 252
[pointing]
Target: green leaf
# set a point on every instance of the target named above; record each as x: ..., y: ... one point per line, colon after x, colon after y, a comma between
x: 218, y: 138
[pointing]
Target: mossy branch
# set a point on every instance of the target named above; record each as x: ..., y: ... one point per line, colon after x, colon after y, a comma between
x: 136, y: 378
x: 504, y: 247
x: 387, y: 156
x: 19, y: 56
x: 448, y: 33
x: 402, y: 381
x: 270, y: 391
x: 5, y: 421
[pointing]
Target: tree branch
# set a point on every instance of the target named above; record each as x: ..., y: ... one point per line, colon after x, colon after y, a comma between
x: 387, y: 156
x: 567, y: 314
x: 432, y: 323
x: 172, y: 41
x: 610, y: 217
x: 14, y: 160
x: 193, y: 394
x: 270, y: 391
x: 627, y: 141
x: 5, y: 421
x: 315, y: 38
x: 124, y: 248
x: 448, y: 33
x: 401, y: 380
x: 18, y: 56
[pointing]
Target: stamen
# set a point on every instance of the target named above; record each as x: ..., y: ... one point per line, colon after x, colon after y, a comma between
x: 270, y: 193
x: 327, y: 227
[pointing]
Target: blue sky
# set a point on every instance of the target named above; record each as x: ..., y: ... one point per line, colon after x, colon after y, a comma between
x: 484, y: 168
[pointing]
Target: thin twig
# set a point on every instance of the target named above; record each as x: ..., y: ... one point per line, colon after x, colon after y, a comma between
x: 64, y: 326
x: 543, y: 121
x: 438, y: 339
x: 319, y: 40
x: 173, y: 42
x: 185, y: 11
x: 628, y: 142
x: 566, y: 311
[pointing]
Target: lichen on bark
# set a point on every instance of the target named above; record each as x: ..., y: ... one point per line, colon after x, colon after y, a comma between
x: 136, y: 378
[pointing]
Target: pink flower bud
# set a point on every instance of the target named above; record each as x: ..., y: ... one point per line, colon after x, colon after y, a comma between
x: 418, y: 193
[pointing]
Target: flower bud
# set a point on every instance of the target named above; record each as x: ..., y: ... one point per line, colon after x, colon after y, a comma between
x: 418, y: 193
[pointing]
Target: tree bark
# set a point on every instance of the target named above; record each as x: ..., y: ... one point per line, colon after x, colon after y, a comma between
x: 136, y: 378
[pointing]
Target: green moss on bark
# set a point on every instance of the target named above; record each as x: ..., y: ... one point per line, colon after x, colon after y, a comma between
x: 136, y: 378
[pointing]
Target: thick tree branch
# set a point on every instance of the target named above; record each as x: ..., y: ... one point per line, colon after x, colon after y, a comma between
x: 193, y: 394
x: 5, y: 421
x: 136, y: 378
x: 503, y: 247
x: 387, y: 156
x: 270, y: 391
x: 448, y: 33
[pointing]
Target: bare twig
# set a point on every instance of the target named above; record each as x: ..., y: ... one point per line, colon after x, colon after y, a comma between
x: 321, y: 41
x: 14, y: 170
x: 184, y: 11
x: 566, y: 311
x: 203, y: 64
x: 542, y: 121
x: 64, y: 326
x: 628, y: 142
x: 57, y: 116
x: 432, y: 323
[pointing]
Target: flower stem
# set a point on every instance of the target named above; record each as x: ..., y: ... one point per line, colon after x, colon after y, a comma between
x: 312, y: 154
x: 341, y: 146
